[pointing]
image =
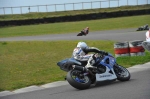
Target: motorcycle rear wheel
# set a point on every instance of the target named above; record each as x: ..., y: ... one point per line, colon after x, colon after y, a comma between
x: 122, y: 73
x: 77, y: 82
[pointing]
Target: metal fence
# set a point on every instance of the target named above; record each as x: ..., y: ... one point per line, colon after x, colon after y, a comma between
x: 70, y: 6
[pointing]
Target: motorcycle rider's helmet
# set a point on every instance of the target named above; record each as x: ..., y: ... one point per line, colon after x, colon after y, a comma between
x: 82, y: 44
x: 87, y: 28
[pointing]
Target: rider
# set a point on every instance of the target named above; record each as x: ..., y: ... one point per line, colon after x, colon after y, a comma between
x: 148, y: 35
x: 81, y: 53
x: 146, y: 44
x: 85, y: 30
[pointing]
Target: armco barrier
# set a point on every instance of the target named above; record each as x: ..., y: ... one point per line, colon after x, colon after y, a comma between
x: 121, y: 49
x: 136, y: 48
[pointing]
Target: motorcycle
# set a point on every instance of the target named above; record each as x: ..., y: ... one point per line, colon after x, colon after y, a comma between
x: 81, y: 34
x: 145, y: 27
x: 105, y: 69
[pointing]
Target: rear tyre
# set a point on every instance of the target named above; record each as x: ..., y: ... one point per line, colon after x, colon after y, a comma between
x: 77, y: 81
x: 122, y: 73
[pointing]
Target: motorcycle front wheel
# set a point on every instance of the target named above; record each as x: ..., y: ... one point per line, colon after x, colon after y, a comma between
x: 122, y: 73
x: 77, y: 80
x: 79, y: 34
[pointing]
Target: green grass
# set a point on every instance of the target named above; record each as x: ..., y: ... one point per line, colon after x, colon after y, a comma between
x: 34, y: 62
x: 70, y: 27
x: 35, y: 15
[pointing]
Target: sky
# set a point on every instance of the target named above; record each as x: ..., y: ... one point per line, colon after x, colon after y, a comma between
x: 51, y: 8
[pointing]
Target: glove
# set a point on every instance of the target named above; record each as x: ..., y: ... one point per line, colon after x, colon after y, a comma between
x: 104, y: 53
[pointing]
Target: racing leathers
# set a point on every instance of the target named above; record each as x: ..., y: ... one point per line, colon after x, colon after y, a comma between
x: 148, y: 35
x: 85, y: 31
x: 81, y: 54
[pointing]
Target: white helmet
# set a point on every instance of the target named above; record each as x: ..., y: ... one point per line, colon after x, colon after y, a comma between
x: 82, y: 44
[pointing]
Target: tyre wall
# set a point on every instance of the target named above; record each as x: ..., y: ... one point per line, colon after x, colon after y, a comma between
x: 146, y: 45
x: 121, y: 49
x: 136, y: 48
x: 131, y: 48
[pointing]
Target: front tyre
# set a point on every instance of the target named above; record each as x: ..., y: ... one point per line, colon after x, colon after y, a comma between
x: 77, y: 80
x: 79, y: 34
x: 122, y: 73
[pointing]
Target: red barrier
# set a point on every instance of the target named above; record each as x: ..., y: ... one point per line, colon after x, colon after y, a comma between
x: 131, y: 48
x: 136, y: 49
x: 121, y: 50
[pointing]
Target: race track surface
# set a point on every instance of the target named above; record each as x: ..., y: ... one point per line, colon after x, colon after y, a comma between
x: 136, y: 88
x: 115, y: 35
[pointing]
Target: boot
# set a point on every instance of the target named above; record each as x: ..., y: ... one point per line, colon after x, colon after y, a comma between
x: 90, y: 62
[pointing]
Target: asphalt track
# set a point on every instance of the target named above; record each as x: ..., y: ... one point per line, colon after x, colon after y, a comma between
x: 136, y: 88
x: 115, y: 35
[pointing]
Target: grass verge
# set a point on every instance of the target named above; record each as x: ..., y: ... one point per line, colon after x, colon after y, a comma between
x: 70, y: 27
x: 34, y: 63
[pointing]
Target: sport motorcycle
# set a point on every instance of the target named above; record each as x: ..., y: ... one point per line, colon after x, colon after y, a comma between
x: 141, y: 28
x: 105, y: 69
x: 81, y: 34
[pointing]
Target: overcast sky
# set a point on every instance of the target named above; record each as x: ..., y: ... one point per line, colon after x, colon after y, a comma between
x: 16, y: 3
x: 13, y: 3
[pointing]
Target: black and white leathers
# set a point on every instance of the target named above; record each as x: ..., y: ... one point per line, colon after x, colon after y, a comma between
x: 81, y: 54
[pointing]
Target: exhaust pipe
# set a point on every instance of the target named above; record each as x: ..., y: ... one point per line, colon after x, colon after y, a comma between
x: 80, y: 68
